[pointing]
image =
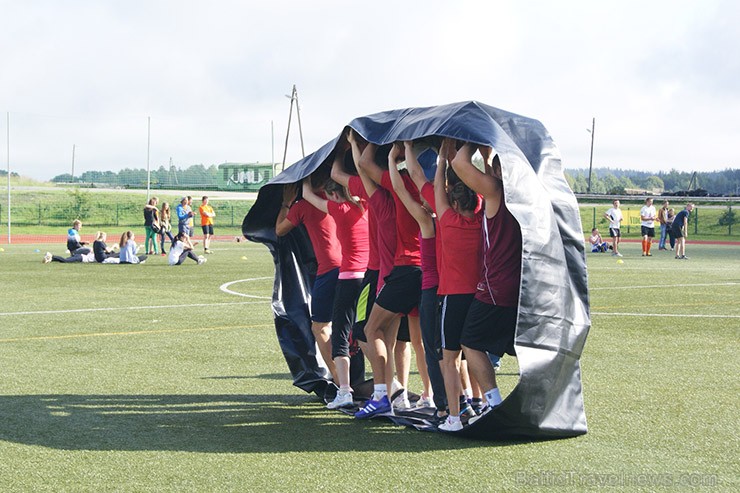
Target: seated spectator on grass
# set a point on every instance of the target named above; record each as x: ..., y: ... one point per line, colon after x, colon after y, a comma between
x: 128, y: 249
x: 101, y: 250
x: 86, y: 257
x: 74, y: 241
x: 182, y: 249
x: 598, y: 245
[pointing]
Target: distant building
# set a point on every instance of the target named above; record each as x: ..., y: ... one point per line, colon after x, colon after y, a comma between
x: 248, y: 177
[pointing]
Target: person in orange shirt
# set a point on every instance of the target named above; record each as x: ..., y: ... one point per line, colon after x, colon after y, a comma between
x: 206, y: 222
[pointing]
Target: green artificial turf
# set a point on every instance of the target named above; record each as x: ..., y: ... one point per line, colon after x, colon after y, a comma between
x: 151, y: 378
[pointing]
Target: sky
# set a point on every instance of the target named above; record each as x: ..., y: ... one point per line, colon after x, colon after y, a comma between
x: 206, y: 82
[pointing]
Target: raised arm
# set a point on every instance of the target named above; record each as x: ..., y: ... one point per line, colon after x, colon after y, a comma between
x: 338, y: 174
x: 368, y: 164
x: 487, y: 185
x: 312, y: 198
x: 283, y: 226
x: 417, y: 211
x: 446, y: 154
x: 413, y: 166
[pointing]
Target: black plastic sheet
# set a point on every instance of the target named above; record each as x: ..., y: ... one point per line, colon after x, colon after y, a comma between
x: 553, y: 318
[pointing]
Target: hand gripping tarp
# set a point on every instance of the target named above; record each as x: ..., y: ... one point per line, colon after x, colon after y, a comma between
x: 553, y: 318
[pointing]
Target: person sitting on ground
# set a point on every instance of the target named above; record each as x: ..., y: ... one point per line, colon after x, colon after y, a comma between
x: 182, y: 249
x: 86, y: 256
x: 103, y: 254
x: 598, y: 245
x: 128, y: 249
x: 74, y: 241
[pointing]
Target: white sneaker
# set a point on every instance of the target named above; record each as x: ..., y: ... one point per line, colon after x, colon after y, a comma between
x: 424, y: 402
x: 487, y: 409
x: 47, y: 257
x: 201, y: 259
x: 619, y: 255
x: 343, y: 399
x: 395, y: 387
x: 450, y: 425
x: 401, y: 402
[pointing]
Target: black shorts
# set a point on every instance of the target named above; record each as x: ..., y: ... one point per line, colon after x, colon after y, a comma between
x: 365, y: 302
x: 645, y: 231
x: 453, y: 311
x: 677, y: 232
x: 402, y: 290
x: 490, y: 328
x: 343, y: 315
x: 615, y: 233
x: 207, y: 229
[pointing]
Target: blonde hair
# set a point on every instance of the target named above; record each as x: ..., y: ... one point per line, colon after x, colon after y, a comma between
x: 100, y: 236
x: 76, y: 222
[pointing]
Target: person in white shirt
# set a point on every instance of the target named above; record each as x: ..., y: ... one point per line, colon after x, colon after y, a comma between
x: 614, y: 215
x: 648, y: 215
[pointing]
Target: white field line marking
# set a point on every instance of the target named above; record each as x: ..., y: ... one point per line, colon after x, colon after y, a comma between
x: 225, y: 288
x: 113, y: 308
x: 675, y: 315
x: 665, y: 286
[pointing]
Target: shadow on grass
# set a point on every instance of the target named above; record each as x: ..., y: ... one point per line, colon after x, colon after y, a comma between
x: 205, y: 423
x: 264, y: 376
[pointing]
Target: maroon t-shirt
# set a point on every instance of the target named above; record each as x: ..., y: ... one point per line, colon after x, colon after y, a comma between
x: 502, y: 260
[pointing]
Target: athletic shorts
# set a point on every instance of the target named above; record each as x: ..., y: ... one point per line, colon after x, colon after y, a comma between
x: 322, y: 296
x: 490, y: 328
x: 365, y: 303
x: 615, y: 233
x: 403, y: 330
x: 402, y: 290
x: 677, y: 232
x: 645, y: 231
x: 343, y: 315
x: 207, y: 229
x: 453, y: 311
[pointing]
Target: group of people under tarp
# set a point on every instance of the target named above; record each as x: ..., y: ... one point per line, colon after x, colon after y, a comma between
x: 403, y: 259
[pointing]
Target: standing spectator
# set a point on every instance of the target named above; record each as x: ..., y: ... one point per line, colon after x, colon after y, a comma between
x: 647, y: 228
x: 184, y: 214
x: 663, y: 220
x: 151, y: 225
x: 206, y: 223
x: 129, y: 248
x: 680, y: 227
x: 165, y: 226
x: 670, y: 217
x: 614, y: 215
x: 74, y: 242
x: 191, y: 225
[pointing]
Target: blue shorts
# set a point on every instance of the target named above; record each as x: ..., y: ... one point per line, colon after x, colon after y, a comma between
x: 322, y: 296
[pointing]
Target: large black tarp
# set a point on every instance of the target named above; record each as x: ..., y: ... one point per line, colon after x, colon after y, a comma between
x: 553, y: 318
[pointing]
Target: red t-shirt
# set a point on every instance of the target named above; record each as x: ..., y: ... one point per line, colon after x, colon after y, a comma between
x: 322, y: 231
x: 385, y: 212
x: 358, y: 189
x: 427, y: 192
x: 352, y: 233
x: 407, y: 229
x: 502, y: 260
x: 460, y: 253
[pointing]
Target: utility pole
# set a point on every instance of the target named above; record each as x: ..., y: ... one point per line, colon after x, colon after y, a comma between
x: 293, y: 97
x: 148, y: 141
x: 591, y: 160
x: 73, y: 162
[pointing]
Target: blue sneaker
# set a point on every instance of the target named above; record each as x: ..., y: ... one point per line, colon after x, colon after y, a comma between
x: 372, y: 407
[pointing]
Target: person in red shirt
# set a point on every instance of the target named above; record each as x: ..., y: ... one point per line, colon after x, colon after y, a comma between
x: 491, y: 321
x: 350, y: 216
x: 401, y: 292
x: 322, y: 231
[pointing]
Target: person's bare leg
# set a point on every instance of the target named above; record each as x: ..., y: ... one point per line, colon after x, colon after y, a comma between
x: 322, y: 334
x: 480, y: 368
x: 421, y: 361
x: 402, y: 357
x: 375, y: 333
x: 451, y: 371
x: 342, y: 366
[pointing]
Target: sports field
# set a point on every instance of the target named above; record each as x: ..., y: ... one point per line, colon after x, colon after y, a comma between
x: 157, y: 378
